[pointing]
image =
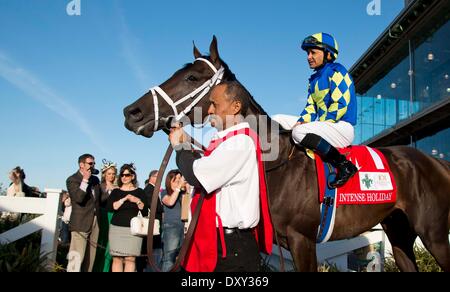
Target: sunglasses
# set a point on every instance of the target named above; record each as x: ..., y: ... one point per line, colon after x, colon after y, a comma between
x: 126, y: 175
x: 90, y: 163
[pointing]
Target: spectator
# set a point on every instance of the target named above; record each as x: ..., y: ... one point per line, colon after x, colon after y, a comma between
x: 109, y: 180
x: 108, y: 183
x: 85, y: 195
x: 141, y: 263
x: 66, y: 209
x: 173, y: 227
x: 125, y: 202
x: 18, y: 187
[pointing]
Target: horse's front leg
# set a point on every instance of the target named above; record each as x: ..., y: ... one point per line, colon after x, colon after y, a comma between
x: 303, y: 251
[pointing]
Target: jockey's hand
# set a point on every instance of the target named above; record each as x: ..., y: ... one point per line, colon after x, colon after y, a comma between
x: 177, y: 136
x: 298, y: 123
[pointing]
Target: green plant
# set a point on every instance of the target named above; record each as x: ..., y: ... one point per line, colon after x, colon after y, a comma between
x: 28, y: 259
x: 328, y: 268
x: 425, y: 262
x: 390, y: 266
x: 34, y: 239
x: 24, y: 254
x: 61, y: 258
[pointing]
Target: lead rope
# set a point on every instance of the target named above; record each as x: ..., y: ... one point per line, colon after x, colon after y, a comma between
x: 188, y: 238
x: 195, y: 216
x: 291, y: 155
x: 282, y: 265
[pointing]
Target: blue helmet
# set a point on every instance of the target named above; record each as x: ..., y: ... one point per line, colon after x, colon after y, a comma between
x: 323, y: 41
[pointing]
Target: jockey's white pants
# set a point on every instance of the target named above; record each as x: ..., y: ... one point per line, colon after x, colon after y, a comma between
x: 340, y: 134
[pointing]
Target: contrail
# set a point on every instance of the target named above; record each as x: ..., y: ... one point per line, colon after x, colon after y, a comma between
x: 24, y: 80
x: 128, y: 43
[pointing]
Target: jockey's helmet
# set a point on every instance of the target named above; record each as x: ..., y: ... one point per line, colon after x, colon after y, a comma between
x: 322, y: 41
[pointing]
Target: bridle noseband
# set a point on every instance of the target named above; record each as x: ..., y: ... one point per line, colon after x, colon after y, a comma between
x: 200, y: 91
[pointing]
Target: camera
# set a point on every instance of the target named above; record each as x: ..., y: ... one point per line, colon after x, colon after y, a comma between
x: 95, y: 171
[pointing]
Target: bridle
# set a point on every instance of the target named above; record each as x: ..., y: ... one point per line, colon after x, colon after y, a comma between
x: 196, y: 95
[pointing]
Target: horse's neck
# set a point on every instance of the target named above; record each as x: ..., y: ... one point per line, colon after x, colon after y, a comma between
x: 264, y: 124
x: 278, y: 144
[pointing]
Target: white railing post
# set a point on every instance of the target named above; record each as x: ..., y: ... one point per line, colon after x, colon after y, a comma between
x: 47, y: 223
x: 50, y: 231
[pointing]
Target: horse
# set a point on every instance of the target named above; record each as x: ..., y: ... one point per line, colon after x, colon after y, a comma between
x: 423, y: 182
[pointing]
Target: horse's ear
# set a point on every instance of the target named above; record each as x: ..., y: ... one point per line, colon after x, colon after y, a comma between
x: 214, y: 52
x: 197, y: 53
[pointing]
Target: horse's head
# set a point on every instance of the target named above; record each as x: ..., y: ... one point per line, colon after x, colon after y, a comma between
x: 177, y: 97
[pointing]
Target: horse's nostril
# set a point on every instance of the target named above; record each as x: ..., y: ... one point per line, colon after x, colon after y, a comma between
x: 135, y: 114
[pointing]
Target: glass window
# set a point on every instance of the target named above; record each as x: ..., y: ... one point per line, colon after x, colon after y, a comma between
x: 390, y: 100
x: 432, y: 67
x: 436, y: 145
x: 385, y: 103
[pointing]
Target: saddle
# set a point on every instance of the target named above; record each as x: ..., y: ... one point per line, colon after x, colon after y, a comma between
x: 372, y: 184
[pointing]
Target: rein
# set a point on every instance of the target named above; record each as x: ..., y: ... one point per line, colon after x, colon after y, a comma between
x: 291, y: 154
x: 201, y: 92
x: 188, y: 238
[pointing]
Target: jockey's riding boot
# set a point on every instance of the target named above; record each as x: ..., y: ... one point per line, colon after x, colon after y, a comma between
x: 345, y: 169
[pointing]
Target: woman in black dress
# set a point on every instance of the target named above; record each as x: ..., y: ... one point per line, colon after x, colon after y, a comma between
x: 125, y: 202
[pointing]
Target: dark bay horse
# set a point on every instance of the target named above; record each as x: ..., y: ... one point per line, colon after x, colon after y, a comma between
x: 423, y: 182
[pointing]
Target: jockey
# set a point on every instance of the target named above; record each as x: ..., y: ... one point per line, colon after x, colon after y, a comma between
x: 331, y: 99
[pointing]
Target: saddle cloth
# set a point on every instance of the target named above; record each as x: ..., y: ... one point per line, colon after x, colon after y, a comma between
x: 372, y: 184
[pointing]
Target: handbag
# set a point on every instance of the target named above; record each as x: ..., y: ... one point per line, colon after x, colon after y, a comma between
x: 139, y: 225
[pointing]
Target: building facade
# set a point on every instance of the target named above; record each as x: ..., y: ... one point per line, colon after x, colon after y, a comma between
x: 403, y: 90
x: 403, y: 82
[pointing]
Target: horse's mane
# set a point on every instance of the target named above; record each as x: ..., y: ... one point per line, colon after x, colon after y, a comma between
x: 229, y: 76
x: 252, y: 100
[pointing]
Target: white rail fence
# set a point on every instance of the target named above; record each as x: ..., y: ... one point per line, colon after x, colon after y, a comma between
x: 337, y: 252
x: 47, y: 223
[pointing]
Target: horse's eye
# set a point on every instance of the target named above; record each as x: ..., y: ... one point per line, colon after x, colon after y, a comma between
x: 191, y: 78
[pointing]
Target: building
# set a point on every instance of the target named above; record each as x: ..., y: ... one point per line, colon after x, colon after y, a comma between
x: 403, y: 84
x: 403, y: 89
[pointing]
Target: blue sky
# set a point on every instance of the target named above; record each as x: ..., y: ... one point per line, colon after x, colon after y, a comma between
x: 64, y: 80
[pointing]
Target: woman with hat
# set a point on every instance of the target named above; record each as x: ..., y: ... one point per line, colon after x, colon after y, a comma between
x: 103, y: 259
